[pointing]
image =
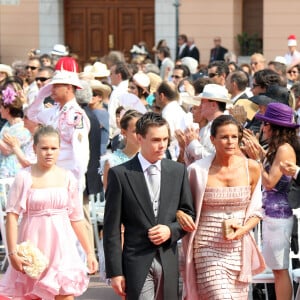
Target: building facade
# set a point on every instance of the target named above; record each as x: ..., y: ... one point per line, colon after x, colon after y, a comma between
x: 27, y: 24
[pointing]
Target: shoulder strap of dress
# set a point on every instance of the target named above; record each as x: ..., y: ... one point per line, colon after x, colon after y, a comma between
x: 247, y: 170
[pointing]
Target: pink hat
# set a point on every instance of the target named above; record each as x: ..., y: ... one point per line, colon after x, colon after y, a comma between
x: 292, y: 41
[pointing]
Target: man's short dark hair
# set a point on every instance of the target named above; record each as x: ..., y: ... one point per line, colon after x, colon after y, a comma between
x: 240, y: 78
x: 150, y: 119
x: 222, y: 67
x: 168, y: 90
x: 185, y: 70
x: 122, y: 69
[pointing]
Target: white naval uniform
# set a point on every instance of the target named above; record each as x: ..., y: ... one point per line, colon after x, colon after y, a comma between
x: 73, y: 126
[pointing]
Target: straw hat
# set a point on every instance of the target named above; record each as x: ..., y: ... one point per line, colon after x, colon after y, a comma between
x: 214, y: 92
x: 60, y: 50
x: 155, y: 81
x: 99, y: 70
x: 98, y: 85
x: 66, y: 77
x: 6, y: 69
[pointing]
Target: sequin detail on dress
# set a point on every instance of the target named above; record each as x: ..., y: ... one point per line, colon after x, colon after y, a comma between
x: 218, y: 261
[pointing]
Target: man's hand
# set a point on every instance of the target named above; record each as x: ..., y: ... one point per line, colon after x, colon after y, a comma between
x: 159, y: 234
x: 191, y: 134
x: 119, y: 285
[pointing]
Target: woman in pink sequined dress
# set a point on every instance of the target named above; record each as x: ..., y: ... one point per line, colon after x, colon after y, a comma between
x: 225, y: 186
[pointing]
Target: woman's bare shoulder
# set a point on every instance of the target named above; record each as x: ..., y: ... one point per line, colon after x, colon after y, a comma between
x: 254, y: 169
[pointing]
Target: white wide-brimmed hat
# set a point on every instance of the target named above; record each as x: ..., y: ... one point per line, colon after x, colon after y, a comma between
x: 6, y: 69
x: 214, y: 92
x: 60, y: 50
x: 141, y: 79
x: 99, y: 70
x: 66, y: 77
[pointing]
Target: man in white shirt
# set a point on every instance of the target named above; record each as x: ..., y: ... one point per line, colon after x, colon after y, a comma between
x: 212, y: 103
x: 32, y: 69
x: 293, y: 56
x: 167, y: 98
x: 119, y: 76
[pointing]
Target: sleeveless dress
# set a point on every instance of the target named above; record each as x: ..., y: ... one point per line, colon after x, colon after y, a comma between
x: 46, y: 215
x: 218, y: 261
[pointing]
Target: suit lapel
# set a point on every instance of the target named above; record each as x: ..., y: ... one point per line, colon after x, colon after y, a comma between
x: 166, y: 184
x: 137, y: 182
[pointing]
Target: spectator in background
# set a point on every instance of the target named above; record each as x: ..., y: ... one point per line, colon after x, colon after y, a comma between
x: 5, y: 71
x: 257, y: 62
x: 46, y: 60
x: 119, y: 76
x: 167, y: 63
x: 279, y: 128
x: 193, y: 50
x: 161, y: 43
x: 93, y: 181
x: 43, y: 77
x: 179, y: 73
x: 32, y: 69
x: 232, y: 66
x: 183, y: 48
x: 217, y: 72
x: 292, y: 57
x: 246, y: 68
x: 218, y: 52
x: 100, y: 91
x: 11, y: 109
x: 19, y: 70
x: 236, y: 84
x: 293, y: 74
x: 279, y: 68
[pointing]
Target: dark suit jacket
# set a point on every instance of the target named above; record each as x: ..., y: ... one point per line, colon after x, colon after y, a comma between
x: 184, y: 53
x: 93, y: 179
x: 128, y: 202
x: 195, y: 53
x: 217, y: 53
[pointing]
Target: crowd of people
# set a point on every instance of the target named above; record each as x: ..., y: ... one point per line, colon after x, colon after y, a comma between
x: 182, y: 153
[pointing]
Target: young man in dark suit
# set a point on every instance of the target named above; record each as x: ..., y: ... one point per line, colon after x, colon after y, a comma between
x: 147, y: 265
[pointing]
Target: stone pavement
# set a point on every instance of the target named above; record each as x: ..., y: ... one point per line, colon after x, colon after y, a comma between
x: 98, y: 290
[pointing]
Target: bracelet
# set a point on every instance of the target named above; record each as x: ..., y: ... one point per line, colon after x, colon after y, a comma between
x: 11, y: 253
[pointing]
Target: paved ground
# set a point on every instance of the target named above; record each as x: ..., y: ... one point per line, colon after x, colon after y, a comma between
x: 98, y: 290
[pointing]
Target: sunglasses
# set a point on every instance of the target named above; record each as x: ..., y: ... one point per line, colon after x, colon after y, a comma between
x: 266, y: 123
x: 211, y: 75
x: 176, y: 76
x: 31, y: 68
x: 42, y: 79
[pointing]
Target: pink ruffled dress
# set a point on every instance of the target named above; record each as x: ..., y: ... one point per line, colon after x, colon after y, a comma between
x: 46, y: 215
x: 218, y: 261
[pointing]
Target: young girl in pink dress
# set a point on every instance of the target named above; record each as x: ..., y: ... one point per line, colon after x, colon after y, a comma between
x: 46, y: 197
